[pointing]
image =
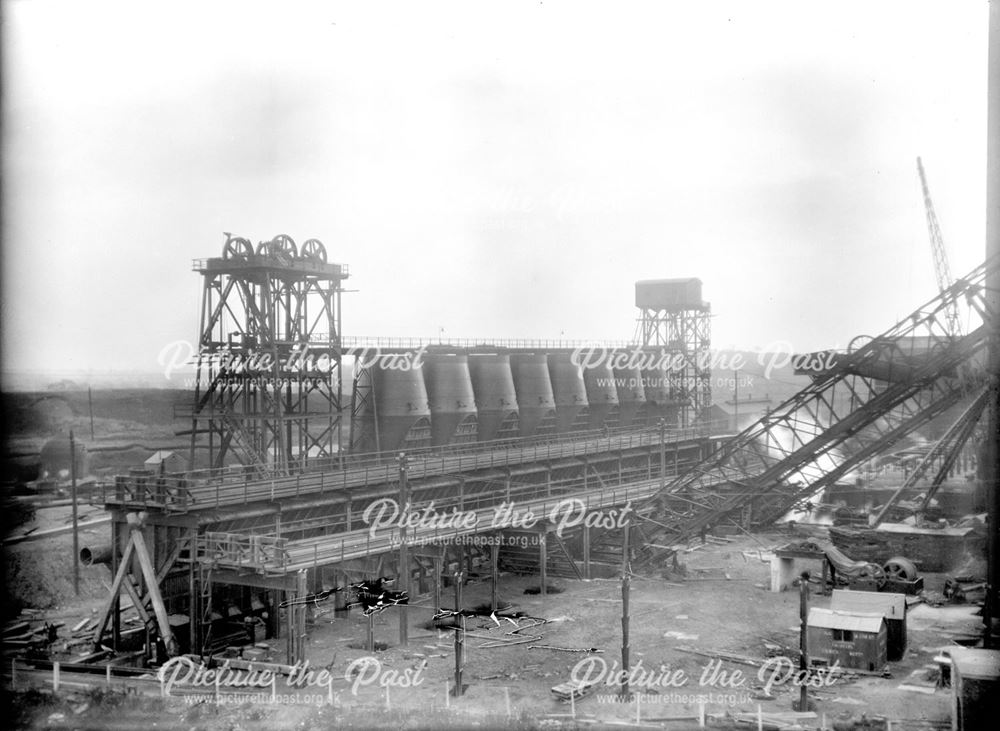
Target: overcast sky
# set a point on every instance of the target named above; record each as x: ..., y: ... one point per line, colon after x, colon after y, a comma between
x: 503, y: 169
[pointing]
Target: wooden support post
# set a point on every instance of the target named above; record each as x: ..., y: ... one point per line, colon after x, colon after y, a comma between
x: 152, y: 587
x: 370, y: 634
x: 340, y: 598
x: 290, y: 629
x: 625, y: 640
x: 194, y: 601
x: 111, y: 608
x: 301, y: 589
x: 625, y: 549
x: 277, y: 596
x: 494, y: 572
x: 586, y: 551
x: 404, y: 556
x: 116, y: 562
x: 459, y: 637
x: 438, y: 569
x: 543, y: 560
x: 803, y: 702
x: 76, y: 524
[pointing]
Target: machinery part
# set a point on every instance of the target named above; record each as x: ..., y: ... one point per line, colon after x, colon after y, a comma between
x: 313, y: 250
x: 874, y: 573
x: 237, y: 248
x: 901, y: 569
x: 280, y: 246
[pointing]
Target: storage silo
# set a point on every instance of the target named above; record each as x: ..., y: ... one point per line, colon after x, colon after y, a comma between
x: 496, y: 399
x: 402, y: 408
x: 569, y: 392
x: 535, y: 402
x: 602, y: 395
x: 631, y: 396
x: 659, y: 404
x: 451, y: 399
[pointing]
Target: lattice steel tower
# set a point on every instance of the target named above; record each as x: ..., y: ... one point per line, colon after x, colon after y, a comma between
x: 674, y: 320
x: 268, y: 387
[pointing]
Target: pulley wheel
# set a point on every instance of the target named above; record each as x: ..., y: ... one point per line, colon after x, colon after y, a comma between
x: 237, y: 248
x: 900, y: 568
x: 313, y: 250
x: 282, y: 243
x: 874, y: 572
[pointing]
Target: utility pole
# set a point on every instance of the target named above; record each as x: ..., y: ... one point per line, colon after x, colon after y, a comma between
x: 626, y: 586
x: 803, y: 702
x: 404, y: 554
x: 90, y: 403
x: 76, y: 533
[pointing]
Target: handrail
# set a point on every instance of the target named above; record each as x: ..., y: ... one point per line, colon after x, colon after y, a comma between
x: 232, y: 486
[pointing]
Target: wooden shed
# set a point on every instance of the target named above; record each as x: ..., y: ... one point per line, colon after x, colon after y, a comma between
x: 854, y: 639
x: 975, y: 682
x: 890, y: 606
x: 165, y: 462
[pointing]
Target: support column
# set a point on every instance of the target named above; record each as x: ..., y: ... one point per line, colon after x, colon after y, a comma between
x: 494, y: 558
x: 438, y: 568
x: 586, y: 551
x: 299, y: 614
x: 543, y: 561
x: 116, y: 616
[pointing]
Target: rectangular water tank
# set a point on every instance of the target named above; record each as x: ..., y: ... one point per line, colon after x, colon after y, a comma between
x: 669, y: 294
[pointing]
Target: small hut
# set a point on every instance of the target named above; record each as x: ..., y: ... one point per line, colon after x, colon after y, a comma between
x: 165, y: 461
x: 890, y: 606
x: 854, y: 639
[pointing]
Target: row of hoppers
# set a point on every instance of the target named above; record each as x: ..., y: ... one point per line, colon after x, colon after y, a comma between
x: 455, y: 398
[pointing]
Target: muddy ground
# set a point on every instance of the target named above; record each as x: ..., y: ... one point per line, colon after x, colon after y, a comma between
x: 720, y: 604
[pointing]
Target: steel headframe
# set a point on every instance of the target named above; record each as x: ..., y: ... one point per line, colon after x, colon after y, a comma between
x: 268, y: 384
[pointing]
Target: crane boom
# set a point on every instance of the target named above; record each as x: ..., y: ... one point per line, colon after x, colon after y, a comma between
x: 941, y: 268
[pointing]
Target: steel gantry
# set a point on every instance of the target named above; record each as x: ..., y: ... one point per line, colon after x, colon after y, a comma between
x: 268, y: 385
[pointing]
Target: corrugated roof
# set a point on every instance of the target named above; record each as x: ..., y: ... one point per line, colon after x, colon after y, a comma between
x: 893, y: 606
x: 856, y: 621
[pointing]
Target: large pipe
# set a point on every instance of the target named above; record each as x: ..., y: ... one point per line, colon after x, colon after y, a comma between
x: 89, y: 555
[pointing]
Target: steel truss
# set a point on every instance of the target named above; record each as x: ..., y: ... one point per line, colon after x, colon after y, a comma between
x: 268, y: 386
x: 866, y: 402
x: 687, y: 333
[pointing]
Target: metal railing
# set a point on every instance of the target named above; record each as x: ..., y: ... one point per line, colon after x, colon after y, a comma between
x: 216, y: 488
x: 242, y: 551
x: 239, y: 550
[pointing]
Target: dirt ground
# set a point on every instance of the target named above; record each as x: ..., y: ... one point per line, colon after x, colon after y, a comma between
x: 721, y: 604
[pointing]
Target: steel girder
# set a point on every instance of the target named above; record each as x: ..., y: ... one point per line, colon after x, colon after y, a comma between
x: 869, y: 400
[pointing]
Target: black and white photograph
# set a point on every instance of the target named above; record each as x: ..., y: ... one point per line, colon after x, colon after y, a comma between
x: 502, y: 365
